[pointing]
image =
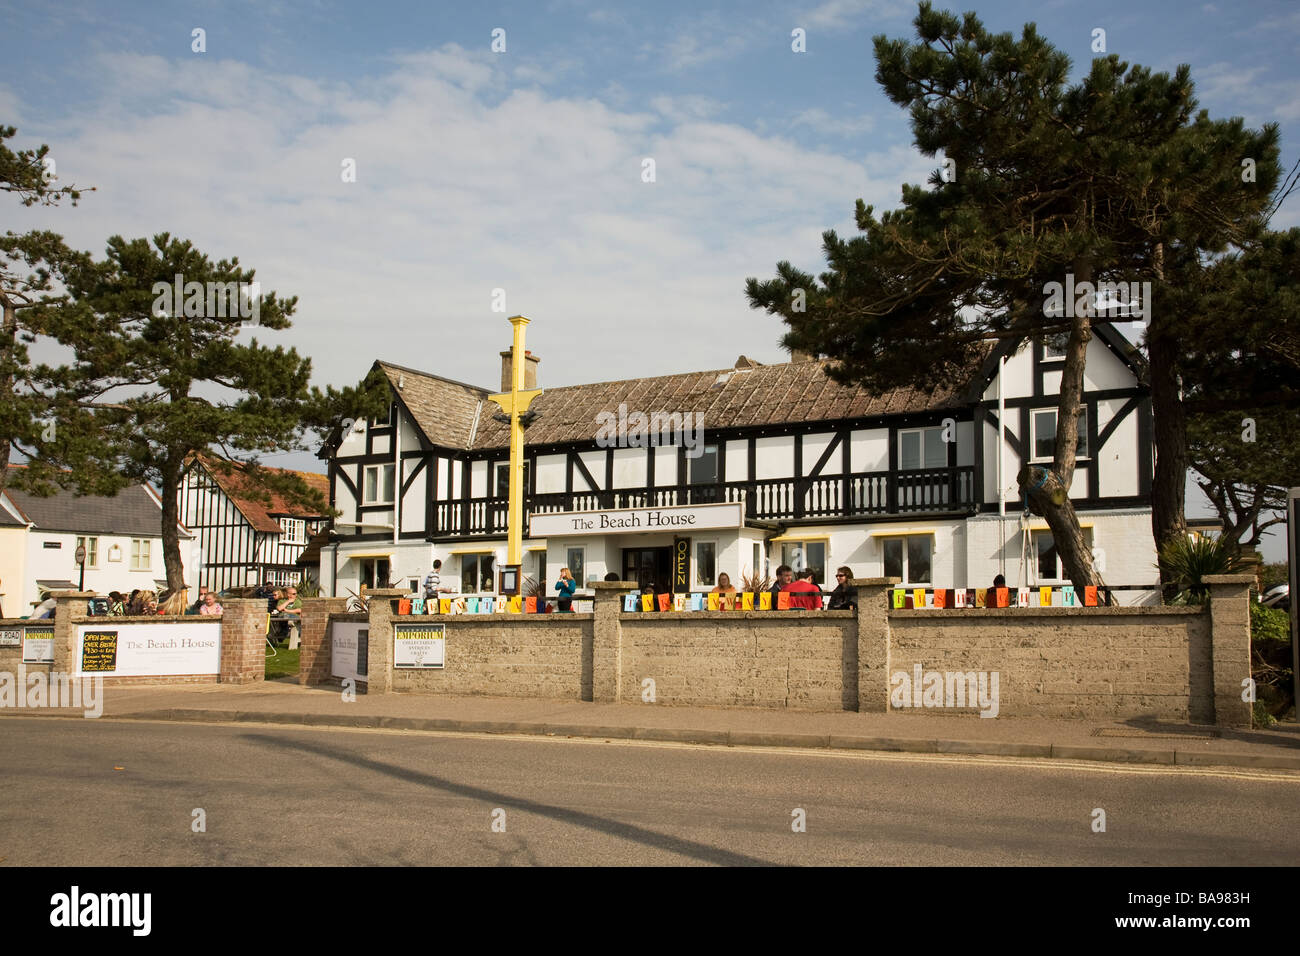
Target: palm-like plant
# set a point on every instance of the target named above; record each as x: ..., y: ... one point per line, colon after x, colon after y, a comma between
x: 750, y: 581
x: 1187, y: 561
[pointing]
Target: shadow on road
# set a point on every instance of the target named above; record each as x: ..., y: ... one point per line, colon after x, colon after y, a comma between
x: 627, y: 831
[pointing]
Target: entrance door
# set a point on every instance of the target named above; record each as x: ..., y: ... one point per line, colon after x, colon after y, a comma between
x: 649, y: 567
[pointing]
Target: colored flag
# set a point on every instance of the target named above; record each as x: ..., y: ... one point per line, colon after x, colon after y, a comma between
x: 444, y: 605
x: 918, y: 598
x: 713, y: 601
x: 629, y: 602
x: 1004, y: 597
x: 1045, y: 597
x: 647, y: 602
x: 940, y: 597
x: 765, y: 601
x: 665, y: 602
x: 898, y: 598
x: 679, y: 602
x: 747, y: 601
x: 783, y: 600
x: 530, y: 605
x: 1090, y: 595
x: 959, y: 597
x: 1067, y: 596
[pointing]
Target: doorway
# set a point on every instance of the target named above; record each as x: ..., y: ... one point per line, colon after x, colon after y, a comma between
x: 650, y: 567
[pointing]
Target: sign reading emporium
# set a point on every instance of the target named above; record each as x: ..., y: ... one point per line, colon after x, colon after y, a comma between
x: 677, y: 518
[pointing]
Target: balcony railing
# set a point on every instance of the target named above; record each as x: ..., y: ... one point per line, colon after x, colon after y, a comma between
x: 922, y: 491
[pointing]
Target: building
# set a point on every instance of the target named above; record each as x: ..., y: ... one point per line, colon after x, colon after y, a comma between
x: 243, y: 536
x: 761, y: 465
x: 39, y: 538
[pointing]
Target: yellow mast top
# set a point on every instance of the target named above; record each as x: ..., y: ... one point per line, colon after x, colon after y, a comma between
x: 514, y: 403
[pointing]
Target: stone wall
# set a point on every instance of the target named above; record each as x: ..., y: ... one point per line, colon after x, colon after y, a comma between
x: 1183, y: 664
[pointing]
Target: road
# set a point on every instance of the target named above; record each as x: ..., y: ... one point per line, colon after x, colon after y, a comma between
x: 105, y: 792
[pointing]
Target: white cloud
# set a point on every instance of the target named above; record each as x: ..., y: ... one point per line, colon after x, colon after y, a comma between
x: 463, y: 185
x: 844, y: 124
x: 834, y: 14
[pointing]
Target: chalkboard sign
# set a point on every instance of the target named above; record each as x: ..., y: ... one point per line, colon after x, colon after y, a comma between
x: 99, y: 651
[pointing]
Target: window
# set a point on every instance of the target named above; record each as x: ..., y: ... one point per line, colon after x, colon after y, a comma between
x: 1054, y: 346
x: 1047, y: 560
x: 806, y: 555
x: 92, y: 551
x: 294, y: 530
x: 576, y: 561
x: 1044, y: 423
x: 387, y: 420
x: 706, y: 564
x: 922, y: 448
x: 374, y: 572
x: 140, y: 558
x: 379, y: 481
x: 704, y: 471
x: 502, y: 483
x: 478, y: 574
x: 757, y: 568
x: 413, y: 585
x: 908, y: 557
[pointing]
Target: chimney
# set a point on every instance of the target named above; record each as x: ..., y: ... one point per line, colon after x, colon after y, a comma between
x: 530, y: 369
x: 797, y: 356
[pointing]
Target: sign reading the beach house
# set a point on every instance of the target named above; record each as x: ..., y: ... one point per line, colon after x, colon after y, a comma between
x: 419, y: 645
x: 38, y: 645
x: 677, y: 519
x: 150, y: 650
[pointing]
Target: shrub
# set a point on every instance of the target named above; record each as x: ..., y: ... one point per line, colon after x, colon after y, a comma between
x: 1271, y: 664
x: 1188, y: 561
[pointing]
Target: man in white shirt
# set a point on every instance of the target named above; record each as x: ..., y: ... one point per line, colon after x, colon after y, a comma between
x: 433, y: 582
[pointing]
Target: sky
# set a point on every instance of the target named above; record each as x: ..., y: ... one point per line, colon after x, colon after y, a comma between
x: 522, y: 168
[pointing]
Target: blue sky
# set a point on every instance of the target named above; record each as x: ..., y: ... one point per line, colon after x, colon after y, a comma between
x: 521, y: 169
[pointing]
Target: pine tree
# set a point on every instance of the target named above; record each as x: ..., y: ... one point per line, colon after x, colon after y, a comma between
x: 1112, y: 179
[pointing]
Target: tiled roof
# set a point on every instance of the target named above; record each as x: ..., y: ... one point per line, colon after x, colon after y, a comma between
x: 445, y: 410
x: 748, y: 395
x: 132, y: 511
x: 237, y: 487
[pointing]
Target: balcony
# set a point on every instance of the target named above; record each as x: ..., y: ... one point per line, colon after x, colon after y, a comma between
x: 919, y: 492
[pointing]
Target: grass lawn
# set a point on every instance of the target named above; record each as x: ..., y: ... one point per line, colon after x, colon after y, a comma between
x: 283, y: 664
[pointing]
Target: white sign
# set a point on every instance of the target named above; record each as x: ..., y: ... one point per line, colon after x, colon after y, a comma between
x: 419, y: 645
x: 677, y: 519
x: 346, y: 641
x: 151, y: 650
x: 38, y: 645
x: 11, y: 637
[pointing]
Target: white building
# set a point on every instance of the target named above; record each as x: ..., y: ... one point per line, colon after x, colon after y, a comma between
x: 39, y: 538
x: 790, y: 468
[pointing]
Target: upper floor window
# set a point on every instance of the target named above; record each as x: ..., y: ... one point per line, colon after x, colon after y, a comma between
x: 922, y: 448
x: 1044, y: 426
x: 1053, y: 346
x: 502, y: 479
x: 379, y: 485
x: 704, y: 469
x: 92, y: 550
x: 294, y: 530
x: 388, y: 419
x: 141, y: 560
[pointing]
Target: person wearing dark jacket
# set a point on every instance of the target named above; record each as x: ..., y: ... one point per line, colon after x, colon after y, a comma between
x: 845, y: 595
x: 784, y: 575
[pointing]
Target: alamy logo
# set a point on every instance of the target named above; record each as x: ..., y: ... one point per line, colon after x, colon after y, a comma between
x: 52, y: 690
x: 103, y: 909
x: 208, y: 300
x: 1110, y: 300
x: 639, y: 430
x: 945, y: 689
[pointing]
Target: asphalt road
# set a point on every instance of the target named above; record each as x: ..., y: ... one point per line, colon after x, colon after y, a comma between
x: 103, y: 792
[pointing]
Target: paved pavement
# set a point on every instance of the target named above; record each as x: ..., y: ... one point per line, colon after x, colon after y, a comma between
x: 1125, y: 741
x: 129, y: 792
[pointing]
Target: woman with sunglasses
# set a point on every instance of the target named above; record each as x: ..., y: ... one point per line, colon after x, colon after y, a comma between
x: 845, y: 595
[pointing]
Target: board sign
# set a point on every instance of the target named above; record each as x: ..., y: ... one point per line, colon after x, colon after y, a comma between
x: 418, y: 646
x: 681, y: 565
x: 348, y: 649
x: 171, y: 649
x: 98, y: 652
x: 680, y: 518
x: 38, y: 645
x: 11, y: 637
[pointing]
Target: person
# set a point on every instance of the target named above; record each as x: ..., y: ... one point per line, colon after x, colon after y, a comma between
x: 433, y: 582
x: 44, y: 609
x: 176, y: 603
x: 291, y: 605
x: 116, y: 603
x: 991, y: 595
x: 144, y: 603
x: 804, y: 595
x: 133, y: 603
x: 210, y: 605
x: 197, y: 606
x: 845, y: 595
x: 784, y: 574
x: 726, y: 592
x: 612, y: 576
x: 566, y: 586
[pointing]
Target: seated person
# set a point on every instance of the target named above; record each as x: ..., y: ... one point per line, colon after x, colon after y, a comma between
x: 991, y: 595
x: 726, y: 592
x: 845, y: 595
x: 804, y: 595
x: 210, y: 605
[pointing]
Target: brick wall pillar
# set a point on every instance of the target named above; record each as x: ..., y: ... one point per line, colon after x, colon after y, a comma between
x: 607, y: 640
x: 243, y: 640
x: 314, y: 661
x: 873, y: 643
x: 1230, y: 646
x: 69, y: 605
x: 379, y: 673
